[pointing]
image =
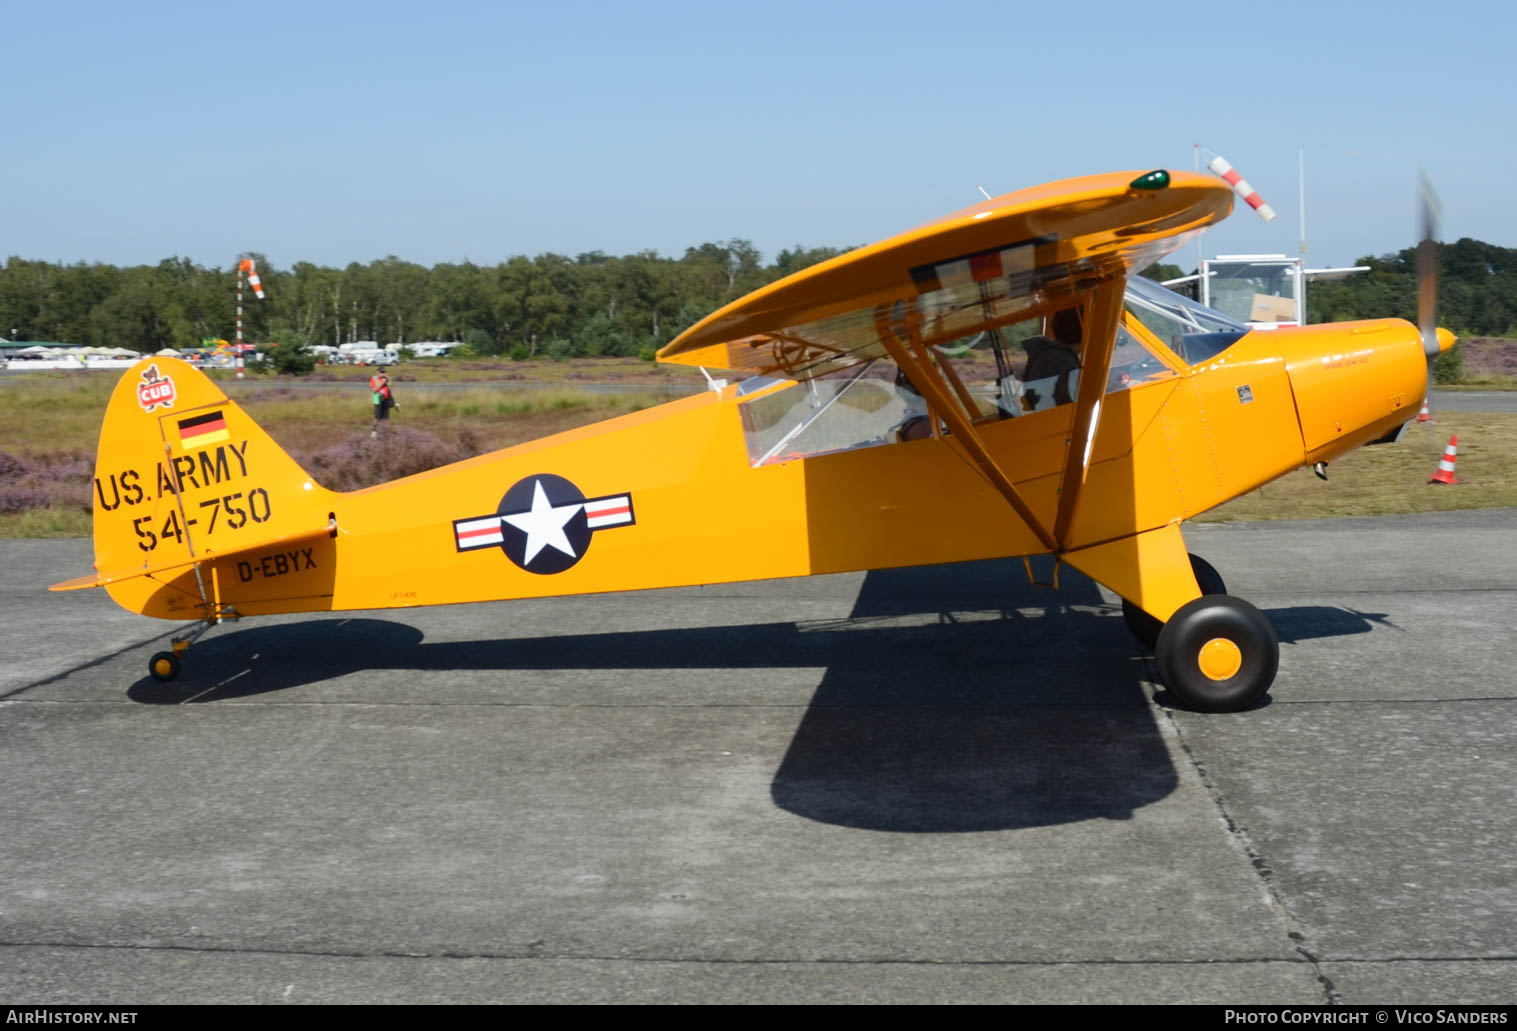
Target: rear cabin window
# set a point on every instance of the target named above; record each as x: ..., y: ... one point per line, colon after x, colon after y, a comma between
x: 862, y: 406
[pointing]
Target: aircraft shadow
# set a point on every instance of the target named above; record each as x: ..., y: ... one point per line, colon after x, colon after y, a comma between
x: 955, y: 698
x: 1032, y: 719
x: 1311, y: 622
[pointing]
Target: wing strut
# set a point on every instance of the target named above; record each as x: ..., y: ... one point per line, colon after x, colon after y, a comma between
x: 926, y: 379
x: 1102, y: 315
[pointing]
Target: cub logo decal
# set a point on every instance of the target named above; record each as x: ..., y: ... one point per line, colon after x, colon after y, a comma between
x: 155, y: 390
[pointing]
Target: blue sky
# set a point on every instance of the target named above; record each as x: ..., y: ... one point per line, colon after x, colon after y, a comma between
x: 336, y: 132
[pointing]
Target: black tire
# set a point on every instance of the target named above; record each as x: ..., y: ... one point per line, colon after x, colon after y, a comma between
x: 163, y: 667
x: 1217, y: 654
x: 1145, y: 627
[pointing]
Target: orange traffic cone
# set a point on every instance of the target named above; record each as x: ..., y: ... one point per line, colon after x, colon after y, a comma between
x: 1445, y: 473
x: 1423, y: 415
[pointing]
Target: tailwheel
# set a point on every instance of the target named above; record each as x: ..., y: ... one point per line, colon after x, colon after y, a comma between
x: 164, y: 666
x: 1217, y: 654
x: 1145, y: 627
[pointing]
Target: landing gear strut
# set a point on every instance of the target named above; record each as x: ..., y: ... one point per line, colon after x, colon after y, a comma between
x: 1145, y: 627
x: 164, y: 666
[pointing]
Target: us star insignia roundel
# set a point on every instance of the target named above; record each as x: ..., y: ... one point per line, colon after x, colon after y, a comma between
x: 544, y: 523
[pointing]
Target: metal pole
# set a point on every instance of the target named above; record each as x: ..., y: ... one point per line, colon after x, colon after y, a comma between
x: 1301, y: 177
x: 1196, y: 148
x: 1301, y: 264
x: 239, y: 320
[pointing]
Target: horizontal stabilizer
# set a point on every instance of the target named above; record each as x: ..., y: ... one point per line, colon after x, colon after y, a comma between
x: 104, y: 578
x: 100, y: 579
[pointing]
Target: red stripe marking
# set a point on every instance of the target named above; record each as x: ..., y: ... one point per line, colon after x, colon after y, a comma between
x: 985, y: 266
x: 597, y: 513
x: 464, y: 534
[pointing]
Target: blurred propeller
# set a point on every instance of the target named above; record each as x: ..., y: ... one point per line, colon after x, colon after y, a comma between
x: 1427, y: 286
x: 1427, y: 274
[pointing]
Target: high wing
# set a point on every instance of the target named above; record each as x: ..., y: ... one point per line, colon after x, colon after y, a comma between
x: 1064, y: 245
x: 996, y: 262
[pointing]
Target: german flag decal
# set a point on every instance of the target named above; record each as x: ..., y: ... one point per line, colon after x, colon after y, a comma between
x: 201, y: 430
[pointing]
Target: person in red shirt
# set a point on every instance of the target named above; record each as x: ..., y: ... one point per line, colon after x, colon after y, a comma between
x: 384, y: 399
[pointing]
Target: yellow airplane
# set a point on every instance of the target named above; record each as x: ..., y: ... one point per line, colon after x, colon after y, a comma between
x: 997, y: 383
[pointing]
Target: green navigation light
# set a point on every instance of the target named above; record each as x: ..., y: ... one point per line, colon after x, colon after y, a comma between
x: 1155, y: 180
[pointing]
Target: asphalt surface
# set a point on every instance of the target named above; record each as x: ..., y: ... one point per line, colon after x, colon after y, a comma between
x: 933, y: 785
x: 1474, y: 401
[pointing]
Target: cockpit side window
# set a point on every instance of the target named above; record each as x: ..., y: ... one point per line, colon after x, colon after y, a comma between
x: 1042, y: 365
x: 1016, y: 369
x: 1008, y: 371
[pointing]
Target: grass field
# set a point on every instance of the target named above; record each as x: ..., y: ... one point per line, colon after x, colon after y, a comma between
x: 498, y: 370
x: 49, y: 424
x: 1389, y: 479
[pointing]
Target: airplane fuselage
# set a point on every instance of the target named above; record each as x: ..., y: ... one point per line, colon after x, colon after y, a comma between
x: 670, y: 496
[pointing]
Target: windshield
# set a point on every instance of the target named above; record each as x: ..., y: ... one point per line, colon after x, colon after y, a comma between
x: 1193, y: 331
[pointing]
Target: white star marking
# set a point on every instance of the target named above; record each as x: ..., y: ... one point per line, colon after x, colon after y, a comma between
x: 544, y: 524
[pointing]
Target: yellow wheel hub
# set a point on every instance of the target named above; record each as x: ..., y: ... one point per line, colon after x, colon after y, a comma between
x: 1220, y: 659
x: 163, y: 667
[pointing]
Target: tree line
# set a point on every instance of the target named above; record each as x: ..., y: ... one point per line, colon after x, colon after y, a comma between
x: 1477, y: 289
x: 554, y: 305
x: 557, y: 306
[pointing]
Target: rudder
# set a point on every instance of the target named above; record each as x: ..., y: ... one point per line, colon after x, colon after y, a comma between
x: 183, y: 478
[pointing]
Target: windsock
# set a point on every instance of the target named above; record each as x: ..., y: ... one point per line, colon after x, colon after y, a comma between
x: 253, y: 281
x: 1240, y: 186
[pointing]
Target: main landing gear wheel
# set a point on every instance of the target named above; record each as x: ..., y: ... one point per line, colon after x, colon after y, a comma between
x: 164, y: 666
x: 1217, y: 654
x: 1145, y: 627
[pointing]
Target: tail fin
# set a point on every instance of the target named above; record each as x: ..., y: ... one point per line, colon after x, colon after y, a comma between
x: 184, y: 478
